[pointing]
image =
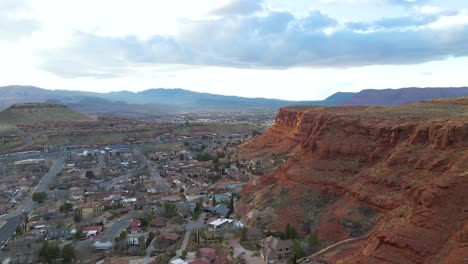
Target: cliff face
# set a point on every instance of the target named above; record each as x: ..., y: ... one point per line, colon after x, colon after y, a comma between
x: 396, y: 173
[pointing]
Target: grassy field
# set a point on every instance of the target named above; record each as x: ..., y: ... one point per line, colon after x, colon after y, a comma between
x: 165, y: 147
x: 6, y: 127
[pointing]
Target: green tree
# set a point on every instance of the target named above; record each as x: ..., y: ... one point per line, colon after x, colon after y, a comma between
x: 68, y: 254
x: 39, y: 197
x: 184, y: 254
x: 66, y: 207
x: 49, y: 252
x: 198, y: 208
x: 231, y: 205
x: 293, y: 260
x: 123, y: 235
x: 170, y: 209
x: 290, y: 232
x: 243, y: 235
x: 312, y: 239
x: 90, y: 174
x: 142, y: 243
x: 297, y: 249
x: 151, y: 236
x: 213, y: 201
x: 77, y: 218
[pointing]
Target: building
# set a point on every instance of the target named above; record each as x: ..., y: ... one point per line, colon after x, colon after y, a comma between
x: 169, y: 237
x: 220, y: 224
x: 209, y: 254
x: 220, y: 209
x: 275, y: 250
x: 159, y: 222
x: 102, y: 245
x: 60, y: 233
x: 91, y: 231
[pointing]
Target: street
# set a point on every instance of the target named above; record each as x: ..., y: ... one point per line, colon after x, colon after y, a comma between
x: 154, y: 175
x: 115, y: 229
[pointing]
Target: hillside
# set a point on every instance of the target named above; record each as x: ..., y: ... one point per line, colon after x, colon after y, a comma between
x: 396, y: 174
x: 402, y: 96
x: 38, y: 112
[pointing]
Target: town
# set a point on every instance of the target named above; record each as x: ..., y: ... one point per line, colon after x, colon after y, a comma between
x: 171, y: 200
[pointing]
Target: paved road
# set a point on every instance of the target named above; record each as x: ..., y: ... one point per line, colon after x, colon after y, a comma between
x: 115, y: 229
x: 7, y: 230
x: 160, y: 181
x: 190, y: 226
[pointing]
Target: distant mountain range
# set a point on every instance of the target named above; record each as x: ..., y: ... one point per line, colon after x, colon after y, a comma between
x: 153, y: 101
x: 388, y: 97
x: 161, y: 101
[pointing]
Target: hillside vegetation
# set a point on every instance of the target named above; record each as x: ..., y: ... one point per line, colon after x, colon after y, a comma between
x: 38, y: 112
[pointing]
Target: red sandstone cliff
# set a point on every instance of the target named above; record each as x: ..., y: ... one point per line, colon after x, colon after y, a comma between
x: 399, y: 174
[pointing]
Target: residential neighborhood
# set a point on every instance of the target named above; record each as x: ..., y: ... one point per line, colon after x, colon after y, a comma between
x: 168, y: 201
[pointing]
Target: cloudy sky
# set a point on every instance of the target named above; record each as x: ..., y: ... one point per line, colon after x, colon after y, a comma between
x: 295, y: 49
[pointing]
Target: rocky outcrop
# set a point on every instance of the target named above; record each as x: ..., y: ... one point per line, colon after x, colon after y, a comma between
x: 396, y: 172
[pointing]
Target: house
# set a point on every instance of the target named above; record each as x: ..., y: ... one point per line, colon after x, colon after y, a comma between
x: 178, y: 261
x: 91, y: 231
x: 276, y: 250
x: 220, y: 224
x: 159, y: 222
x: 220, y: 209
x: 103, y: 219
x: 60, y: 233
x: 169, y: 237
x: 135, y: 226
x: 208, y: 253
x: 199, y: 261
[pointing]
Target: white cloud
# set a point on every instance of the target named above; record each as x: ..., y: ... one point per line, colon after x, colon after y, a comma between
x: 233, y: 47
x: 459, y: 20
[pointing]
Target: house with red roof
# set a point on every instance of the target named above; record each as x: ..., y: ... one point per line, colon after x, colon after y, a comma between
x: 208, y: 253
x: 91, y: 231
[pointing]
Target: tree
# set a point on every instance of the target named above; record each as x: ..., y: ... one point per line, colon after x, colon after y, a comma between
x: 39, y: 197
x: 243, y: 235
x: 231, y: 205
x: 297, y: 249
x: 213, y: 201
x: 123, y: 235
x: 90, y: 174
x: 170, y: 209
x: 312, y: 240
x: 293, y: 260
x: 197, y: 210
x: 290, y: 232
x: 77, y: 218
x: 68, y: 254
x: 49, y: 252
x: 66, y: 207
x: 142, y: 243
x: 151, y: 236
x: 184, y: 254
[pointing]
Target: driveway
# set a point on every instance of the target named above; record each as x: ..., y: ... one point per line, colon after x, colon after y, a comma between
x: 239, y: 250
